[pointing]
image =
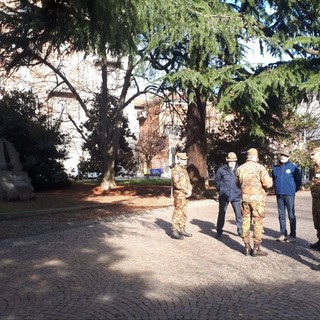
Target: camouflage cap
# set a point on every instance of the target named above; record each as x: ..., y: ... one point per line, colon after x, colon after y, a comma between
x: 252, y: 152
x: 315, y: 150
x: 182, y: 156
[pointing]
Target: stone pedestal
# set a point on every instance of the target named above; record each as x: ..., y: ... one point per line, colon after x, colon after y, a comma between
x: 14, y: 183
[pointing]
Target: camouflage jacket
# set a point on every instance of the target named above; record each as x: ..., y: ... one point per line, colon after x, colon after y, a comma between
x: 315, y: 186
x: 181, y: 180
x: 253, y: 178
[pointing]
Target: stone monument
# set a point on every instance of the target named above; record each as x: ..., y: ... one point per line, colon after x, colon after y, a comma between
x: 14, y: 183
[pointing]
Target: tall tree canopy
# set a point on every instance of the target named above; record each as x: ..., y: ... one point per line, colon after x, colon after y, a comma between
x: 32, y: 31
x: 203, y: 59
x: 198, y: 45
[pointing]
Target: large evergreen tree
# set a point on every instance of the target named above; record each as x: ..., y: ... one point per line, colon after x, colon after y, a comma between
x: 32, y: 30
x: 199, y: 45
x: 203, y: 59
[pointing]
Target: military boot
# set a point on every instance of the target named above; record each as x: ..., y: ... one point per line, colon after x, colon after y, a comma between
x: 257, y: 252
x: 176, y: 235
x: 247, y: 249
x: 183, y: 232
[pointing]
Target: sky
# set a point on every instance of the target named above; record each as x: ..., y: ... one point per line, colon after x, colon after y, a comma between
x: 254, y: 56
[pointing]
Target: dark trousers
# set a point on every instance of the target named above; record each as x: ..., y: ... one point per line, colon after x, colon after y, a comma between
x: 223, y: 205
x: 286, y: 203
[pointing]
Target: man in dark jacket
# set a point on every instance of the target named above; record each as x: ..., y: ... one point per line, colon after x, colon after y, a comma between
x: 287, y: 181
x: 225, y: 180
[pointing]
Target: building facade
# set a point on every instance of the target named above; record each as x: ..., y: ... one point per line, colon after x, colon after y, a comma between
x: 57, y: 100
x: 165, y: 121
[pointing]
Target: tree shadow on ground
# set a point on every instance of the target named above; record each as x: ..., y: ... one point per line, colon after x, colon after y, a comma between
x: 298, y: 250
x: 18, y: 225
x: 88, y: 273
x: 301, y: 254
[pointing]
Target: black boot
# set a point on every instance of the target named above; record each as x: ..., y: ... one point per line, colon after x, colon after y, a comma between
x: 219, y: 234
x: 257, y: 252
x: 247, y: 249
x: 183, y: 232
x: 315, y: 245
x: 176, y: 235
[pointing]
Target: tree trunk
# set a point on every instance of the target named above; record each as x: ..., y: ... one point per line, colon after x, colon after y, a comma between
x: 108, y: 160
x: 196, y: 145
x: 110, y: 134
x: 148, y: 161
x: 108, y: 180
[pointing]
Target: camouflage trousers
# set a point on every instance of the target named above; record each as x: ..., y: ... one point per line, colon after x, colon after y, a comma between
x: 252, y: 212
x: 179, y: 217
x: 316, y: 214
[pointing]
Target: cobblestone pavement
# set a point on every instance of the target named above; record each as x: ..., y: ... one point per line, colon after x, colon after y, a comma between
x: 129, y: 268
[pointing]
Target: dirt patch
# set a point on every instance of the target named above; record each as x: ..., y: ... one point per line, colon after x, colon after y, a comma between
x: 79, y: 204
x: 99, y: 205
x: 83, y: 195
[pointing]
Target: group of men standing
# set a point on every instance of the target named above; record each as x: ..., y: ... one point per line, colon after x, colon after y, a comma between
x: 245, y: 187
x: 251, y: 181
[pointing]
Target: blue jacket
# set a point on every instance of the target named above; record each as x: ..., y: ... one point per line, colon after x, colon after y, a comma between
x: 226, y: 184
x: 286, y: 178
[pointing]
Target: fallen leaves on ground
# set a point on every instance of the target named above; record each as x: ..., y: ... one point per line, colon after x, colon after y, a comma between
x: 99, y: 205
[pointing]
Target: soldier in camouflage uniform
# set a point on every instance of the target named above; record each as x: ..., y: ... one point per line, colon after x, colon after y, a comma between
x: 182, y: 189
x: 315, y: 192
x: 253, y: 179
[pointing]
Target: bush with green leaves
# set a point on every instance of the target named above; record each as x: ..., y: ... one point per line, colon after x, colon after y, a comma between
x: 40, y: 144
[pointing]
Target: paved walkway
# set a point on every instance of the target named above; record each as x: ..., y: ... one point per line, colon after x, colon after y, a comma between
x: 128, y: 268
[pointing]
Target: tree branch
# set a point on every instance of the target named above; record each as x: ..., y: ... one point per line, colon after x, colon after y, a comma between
x: 66, y: 81
x: 78, y: 128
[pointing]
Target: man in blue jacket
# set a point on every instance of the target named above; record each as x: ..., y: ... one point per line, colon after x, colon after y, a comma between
x: 225, y: 180
x: 287, y: 181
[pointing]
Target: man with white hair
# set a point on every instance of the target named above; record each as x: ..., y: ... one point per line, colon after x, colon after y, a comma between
x: 253, y: 179
x: 287, y: 181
